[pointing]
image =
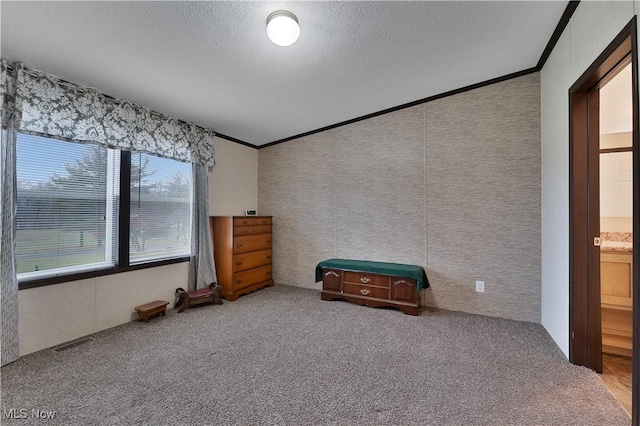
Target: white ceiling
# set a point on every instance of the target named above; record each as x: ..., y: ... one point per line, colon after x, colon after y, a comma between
x: 211, y: 62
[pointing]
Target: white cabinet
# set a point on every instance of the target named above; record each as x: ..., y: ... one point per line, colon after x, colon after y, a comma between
x: 616, y: 184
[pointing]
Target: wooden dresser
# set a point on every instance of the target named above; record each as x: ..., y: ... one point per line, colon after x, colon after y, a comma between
x: 242, y: 251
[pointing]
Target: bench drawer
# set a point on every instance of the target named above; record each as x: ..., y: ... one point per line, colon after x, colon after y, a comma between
x: 366, y: 278
x: 365, y: 290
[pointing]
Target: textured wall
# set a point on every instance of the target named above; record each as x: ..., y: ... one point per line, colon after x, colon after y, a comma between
x: 381, y: 188
x: 452, y: 185
x: 298, y: 187
x: 483, y: 199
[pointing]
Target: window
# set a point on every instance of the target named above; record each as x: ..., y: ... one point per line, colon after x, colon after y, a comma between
x: 160, y: 210
x: 69, y: 213
x: 66, y: 206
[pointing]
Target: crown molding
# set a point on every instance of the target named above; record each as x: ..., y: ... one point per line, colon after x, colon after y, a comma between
x: 562, y: 24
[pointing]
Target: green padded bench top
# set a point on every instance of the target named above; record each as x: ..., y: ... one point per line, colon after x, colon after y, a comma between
x: 395, y: 269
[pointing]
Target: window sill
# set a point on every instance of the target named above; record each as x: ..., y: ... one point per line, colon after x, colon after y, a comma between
x: 41, y: 282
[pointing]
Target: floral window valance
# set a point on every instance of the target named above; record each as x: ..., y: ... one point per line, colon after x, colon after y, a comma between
x: 37, y: 102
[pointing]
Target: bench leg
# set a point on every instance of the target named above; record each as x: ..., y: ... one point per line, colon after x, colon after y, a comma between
x: 185, y: 304
x: 182, y: 302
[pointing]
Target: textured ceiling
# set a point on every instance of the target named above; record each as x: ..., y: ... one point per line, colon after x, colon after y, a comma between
x: 211, y: 62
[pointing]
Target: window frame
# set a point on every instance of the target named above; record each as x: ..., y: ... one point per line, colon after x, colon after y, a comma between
x: 130, y: 260
x: 122, y: 243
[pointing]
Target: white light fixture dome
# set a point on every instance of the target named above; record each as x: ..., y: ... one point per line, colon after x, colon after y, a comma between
x: 283, y: 28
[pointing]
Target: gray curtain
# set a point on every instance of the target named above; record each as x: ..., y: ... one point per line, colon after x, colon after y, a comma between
x: 9, y: 348
x: 39, y: 103
x: 48, y: 106
x: 202, y: 269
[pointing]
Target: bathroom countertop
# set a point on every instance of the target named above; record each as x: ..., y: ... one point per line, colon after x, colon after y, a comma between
x: 620, y: 242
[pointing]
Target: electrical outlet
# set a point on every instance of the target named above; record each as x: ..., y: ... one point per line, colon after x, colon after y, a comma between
x: 480, y: 286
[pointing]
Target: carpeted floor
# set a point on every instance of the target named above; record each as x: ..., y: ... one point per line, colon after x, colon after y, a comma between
x: 283, y: 356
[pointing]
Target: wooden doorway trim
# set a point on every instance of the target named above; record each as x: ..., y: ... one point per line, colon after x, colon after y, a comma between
x: 585, y: 334
x: 584, y: 320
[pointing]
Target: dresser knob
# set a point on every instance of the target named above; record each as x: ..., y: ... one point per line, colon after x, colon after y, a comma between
x: 268, y: 241
x: 365, y: 291
x: 238, y: 281
x: 365, y: 280
x: 244, y: 231
x: 239, y: 245
x: 238, y: 263
x: 269, y: 257
x: 244, y: 222
x: 268, y: 272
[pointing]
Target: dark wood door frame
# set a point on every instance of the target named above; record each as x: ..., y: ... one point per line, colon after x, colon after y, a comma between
x: 584, y: 284
x: 585, y: 332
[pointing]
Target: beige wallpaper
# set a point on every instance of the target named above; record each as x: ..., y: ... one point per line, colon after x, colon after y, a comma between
x: 298, y: 187
x: 452, y: 185
x: 381, y: 188
x: 483, y: 199
x: 233, y: 182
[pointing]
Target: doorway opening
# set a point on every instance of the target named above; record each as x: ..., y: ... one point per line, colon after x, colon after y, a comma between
x: 604, y: 311
x: 616, y: 232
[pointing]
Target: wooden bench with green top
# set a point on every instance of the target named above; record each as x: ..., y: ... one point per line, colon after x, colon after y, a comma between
x: 373, y: 284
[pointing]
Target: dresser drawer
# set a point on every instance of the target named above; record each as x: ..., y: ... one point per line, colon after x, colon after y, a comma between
x: 242, y: 221
x: 365, y: 278
x: 263, y: 229
x: 252, y: 276
x: 263, y: 221
x: 242, y: 262
x: 243, y: 230
x: 251, y: 243
x: 365, y: 290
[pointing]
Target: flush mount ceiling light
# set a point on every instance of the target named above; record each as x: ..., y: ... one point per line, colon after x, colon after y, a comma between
x: 283, y: 28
